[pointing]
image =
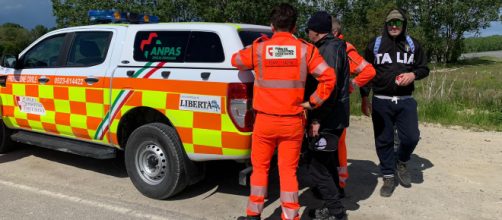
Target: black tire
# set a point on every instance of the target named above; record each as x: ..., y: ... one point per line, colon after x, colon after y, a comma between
x: 155, y: 161
x: 6, y: 143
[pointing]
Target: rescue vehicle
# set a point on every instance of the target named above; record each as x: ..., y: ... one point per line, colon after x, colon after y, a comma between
x: 165, y: 94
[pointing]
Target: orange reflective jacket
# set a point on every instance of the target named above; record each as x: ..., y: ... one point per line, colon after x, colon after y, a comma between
x: 358, y: 65
x: 280, y: 65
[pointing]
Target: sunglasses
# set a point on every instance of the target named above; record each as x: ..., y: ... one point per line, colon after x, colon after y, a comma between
x: 397, y: 23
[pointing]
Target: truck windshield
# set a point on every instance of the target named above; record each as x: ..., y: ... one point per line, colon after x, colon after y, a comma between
x: 248, y: 36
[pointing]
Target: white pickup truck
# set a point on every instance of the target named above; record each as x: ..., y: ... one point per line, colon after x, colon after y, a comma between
x: 165, y: 94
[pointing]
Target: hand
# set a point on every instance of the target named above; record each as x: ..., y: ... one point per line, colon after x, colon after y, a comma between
x: 306, y: 105
x: 406, y: 79
x: 314, y: 129
x: 365, y: 106
x: 352, y: 86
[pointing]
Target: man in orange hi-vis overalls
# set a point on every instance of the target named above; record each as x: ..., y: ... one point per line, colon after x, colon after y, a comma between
x: 280, y: 65
x: 365, y: 73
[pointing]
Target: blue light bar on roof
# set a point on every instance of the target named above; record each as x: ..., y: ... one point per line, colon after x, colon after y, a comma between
x: 113, y: 16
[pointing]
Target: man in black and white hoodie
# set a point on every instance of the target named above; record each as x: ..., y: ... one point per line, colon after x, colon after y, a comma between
x: 399, y: 60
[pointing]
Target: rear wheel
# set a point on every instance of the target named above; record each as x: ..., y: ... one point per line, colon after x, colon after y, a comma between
x: 155, y: 161
x: 6, y: 143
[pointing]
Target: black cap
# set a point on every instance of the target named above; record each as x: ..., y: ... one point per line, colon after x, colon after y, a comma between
x: 324, y: 142
x: 320, y: 22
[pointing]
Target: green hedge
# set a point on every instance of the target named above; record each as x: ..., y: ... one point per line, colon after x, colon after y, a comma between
x: 480, y: 44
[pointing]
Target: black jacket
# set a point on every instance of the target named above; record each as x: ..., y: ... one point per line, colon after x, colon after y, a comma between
x: 399, y: 52
x: 334, y: 112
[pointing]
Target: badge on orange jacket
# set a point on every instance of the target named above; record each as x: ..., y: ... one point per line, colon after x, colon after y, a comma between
x: 280, y: 55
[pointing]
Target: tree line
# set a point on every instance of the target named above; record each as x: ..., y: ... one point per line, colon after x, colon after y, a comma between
x: 14, y: 37
x: 438, y: 24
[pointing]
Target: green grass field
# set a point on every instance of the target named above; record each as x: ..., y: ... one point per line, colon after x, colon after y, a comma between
x: 468, y: 94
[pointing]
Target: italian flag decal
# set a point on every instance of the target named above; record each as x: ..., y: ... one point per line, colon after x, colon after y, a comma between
x: 122, y: 98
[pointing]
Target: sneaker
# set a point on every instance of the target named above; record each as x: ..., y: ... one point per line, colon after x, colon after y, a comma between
x: 249, y: 217
x: 388, y: 186
x: 403, y: 175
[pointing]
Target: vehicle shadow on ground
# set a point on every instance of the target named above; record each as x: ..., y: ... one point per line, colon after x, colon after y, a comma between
x: 220, y: 177
x: 15, y: 154
x: 112, y: 167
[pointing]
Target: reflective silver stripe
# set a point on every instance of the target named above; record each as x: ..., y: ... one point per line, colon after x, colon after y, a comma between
x: 342, y: 169
x: 280, y: 84
x: 258, y: 190
x: 319, y: 69
x: 318, y: 100
x: 360, y: 67
x: 289, y: 197
x: 255, y: 207
x: 303, y: 63
x: 289, y: 214
x: 259, y: 50
x: 238, y: 61
x: 342, y: 179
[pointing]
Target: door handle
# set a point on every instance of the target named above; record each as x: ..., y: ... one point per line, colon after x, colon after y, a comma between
x: 91, y: 80
x: 130, y: 73
x: 205, y: 75
x: 165, y: 74
x: 43, y: 80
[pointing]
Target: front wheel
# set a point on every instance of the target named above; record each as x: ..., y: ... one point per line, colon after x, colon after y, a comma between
x: 155, y: 161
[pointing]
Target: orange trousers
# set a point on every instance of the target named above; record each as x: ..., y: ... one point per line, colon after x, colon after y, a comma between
x: 286, y: 133
x: 343, y: 173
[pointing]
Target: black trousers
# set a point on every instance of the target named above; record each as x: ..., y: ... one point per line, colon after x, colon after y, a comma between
x: 403, y: 115
x: 322, y: 168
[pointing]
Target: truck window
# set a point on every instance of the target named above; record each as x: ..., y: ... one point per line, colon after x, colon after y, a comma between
x: 156, y: 46
x: 204, y: 47
x: 247, y: 37
x: 178, y: 46
x: 89, y: 48
x: 44, y: 54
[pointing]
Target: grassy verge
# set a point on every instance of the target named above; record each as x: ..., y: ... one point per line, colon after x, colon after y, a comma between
x: 468, y: 94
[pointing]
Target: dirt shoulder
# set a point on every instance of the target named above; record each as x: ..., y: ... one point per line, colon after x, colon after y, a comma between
x: 455, y: 174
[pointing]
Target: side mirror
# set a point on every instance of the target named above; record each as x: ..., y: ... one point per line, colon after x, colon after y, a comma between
x: 9, y: 61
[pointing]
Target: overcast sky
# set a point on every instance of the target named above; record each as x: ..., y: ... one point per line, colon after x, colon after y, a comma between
x: 30, y: 13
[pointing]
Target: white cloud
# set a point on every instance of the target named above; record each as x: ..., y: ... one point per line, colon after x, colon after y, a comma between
x: 12, y: 6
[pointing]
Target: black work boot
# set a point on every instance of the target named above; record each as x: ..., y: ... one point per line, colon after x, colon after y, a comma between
x: 319, y: 213
x: 249, y: 217
x: 403, y: 175
x: 324, y: 214
x: 388, y: 186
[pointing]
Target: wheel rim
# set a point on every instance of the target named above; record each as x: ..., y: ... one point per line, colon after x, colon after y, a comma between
x: 151, y: 164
